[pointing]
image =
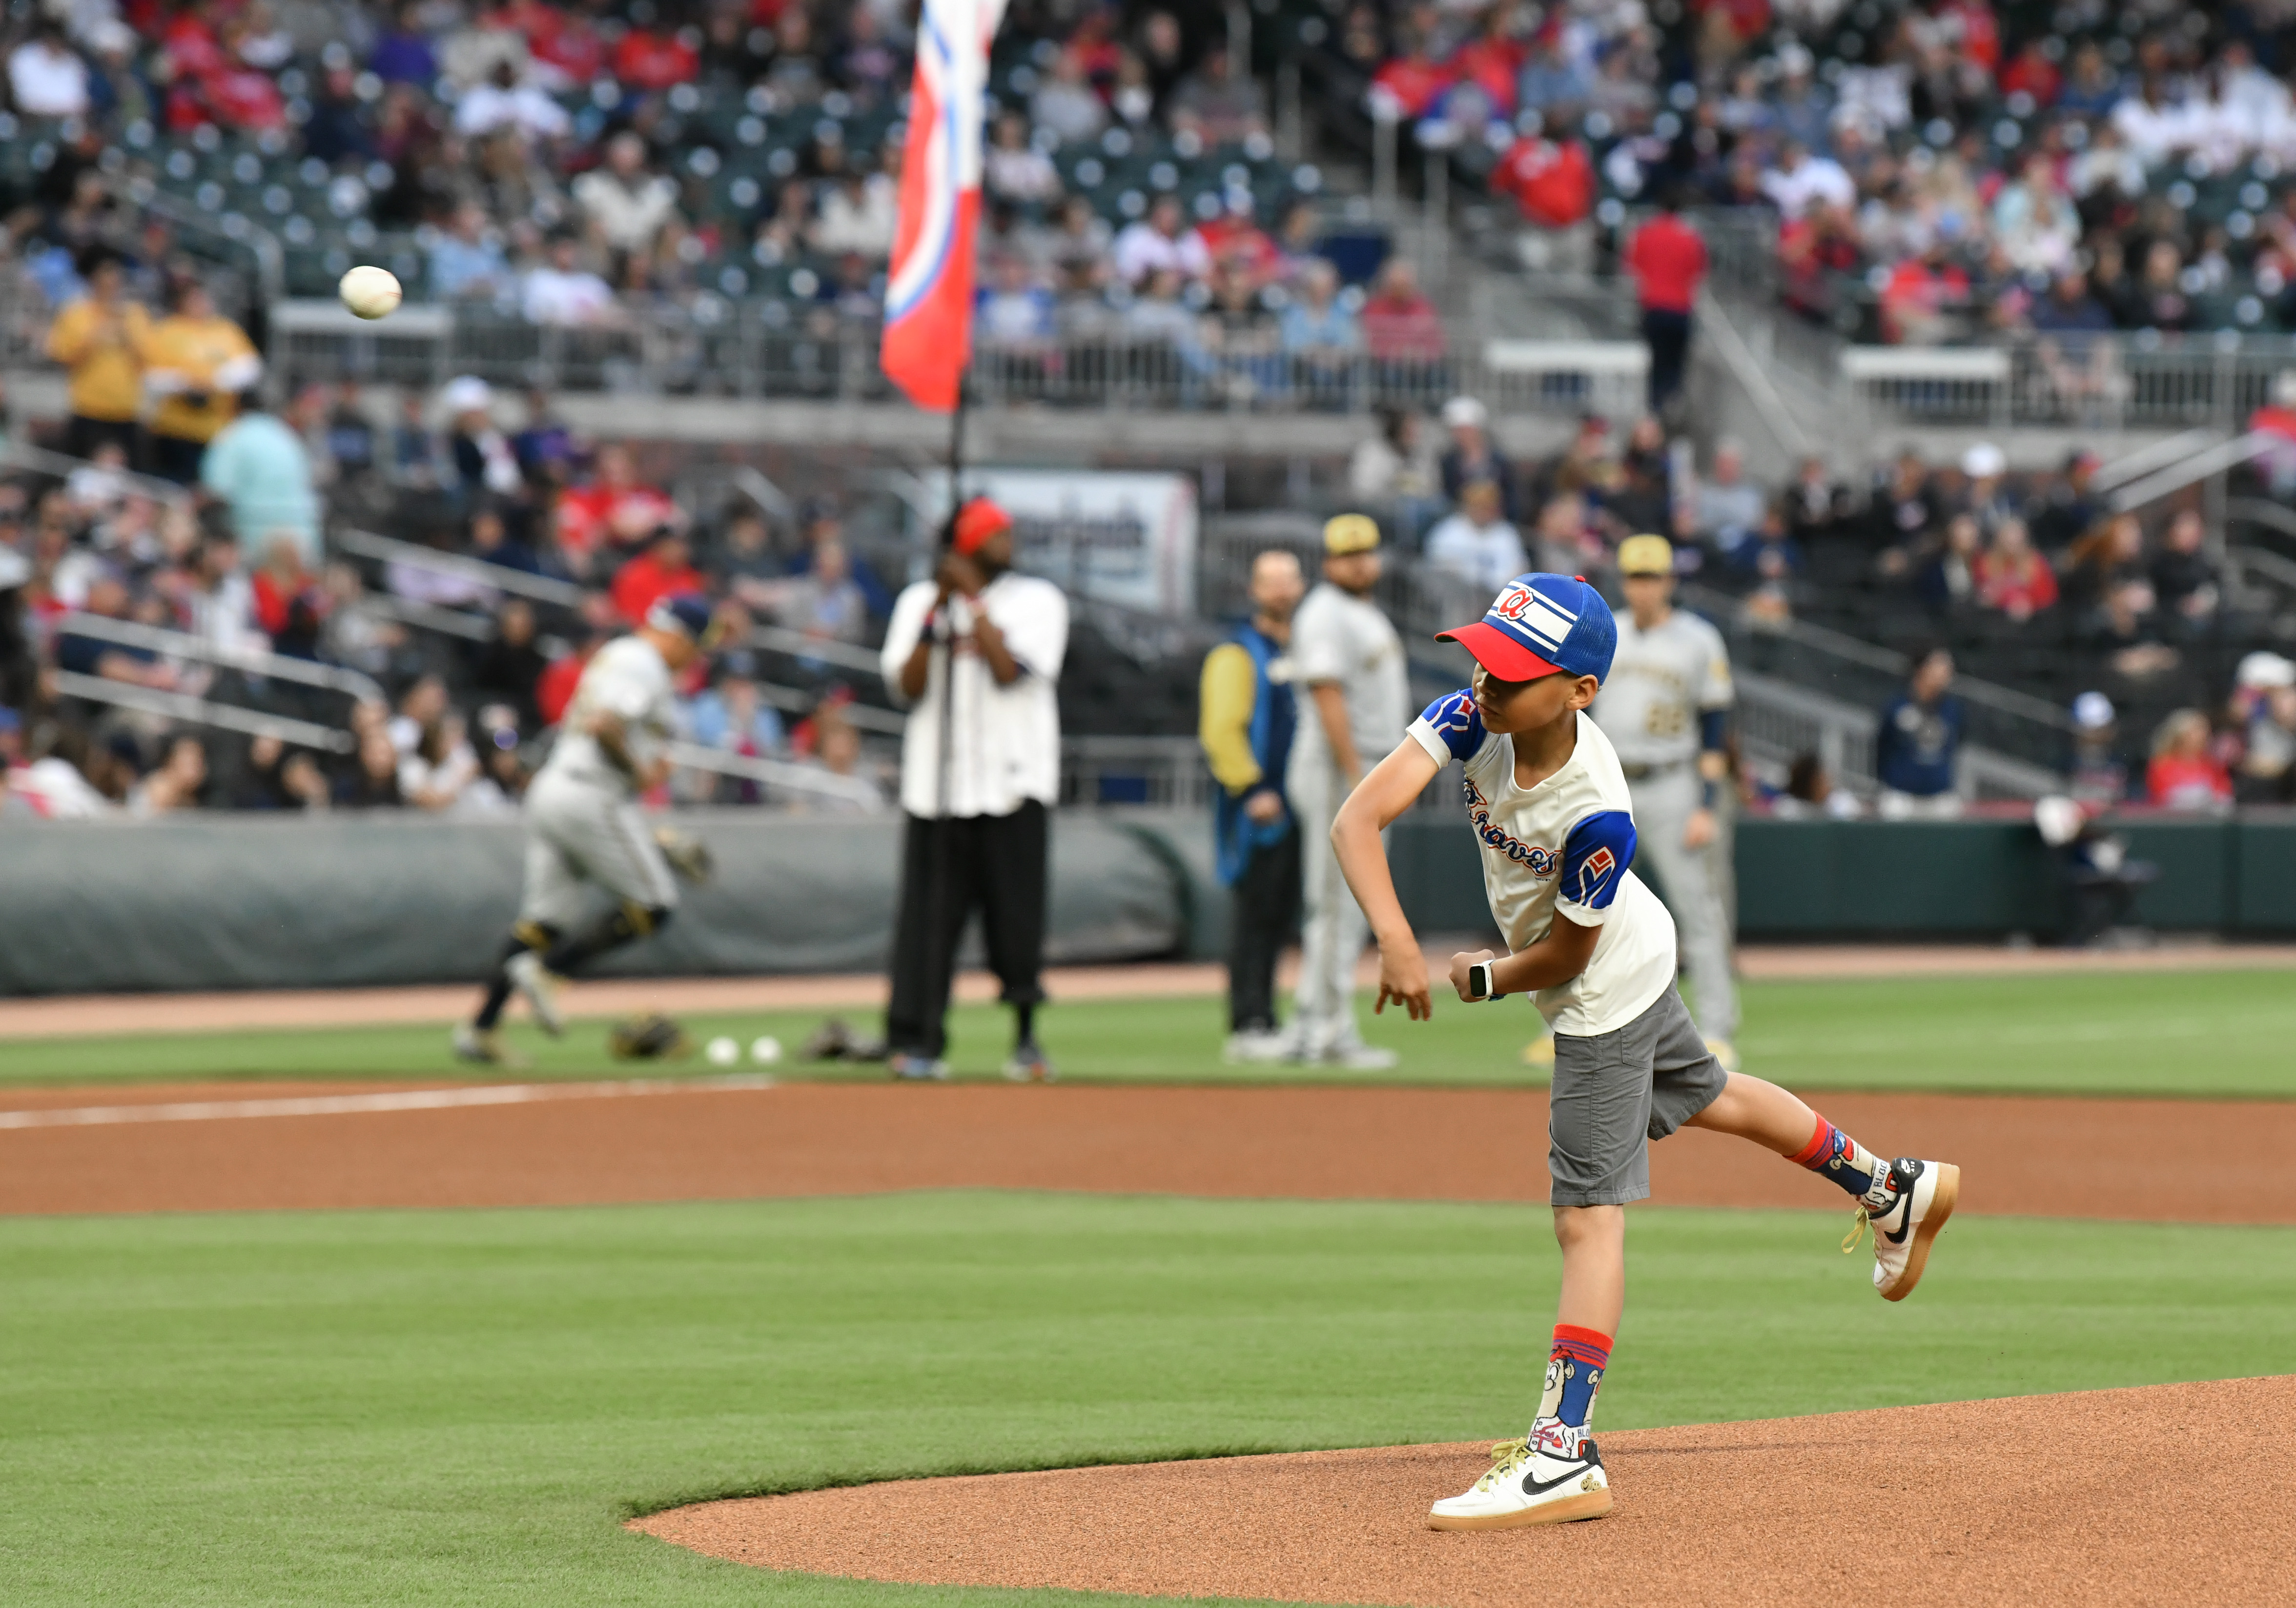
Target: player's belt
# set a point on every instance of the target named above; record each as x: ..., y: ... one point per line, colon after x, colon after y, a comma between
x: 1643, y: 773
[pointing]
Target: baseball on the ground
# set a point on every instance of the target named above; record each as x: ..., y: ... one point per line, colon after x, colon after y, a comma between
x: 723, y: 1051
x: 765, y: 1051
x: 370, y: 291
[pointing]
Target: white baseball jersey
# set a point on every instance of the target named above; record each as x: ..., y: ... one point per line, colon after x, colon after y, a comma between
x: 1565, y: 848
x: 1661, y: 682
x: 626, y: 678
x: 1008, y: 747
x: 1339, y: 637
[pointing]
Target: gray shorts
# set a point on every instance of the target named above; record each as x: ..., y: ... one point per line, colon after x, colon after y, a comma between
x: 1616, y: 1092
x: 579, y: 836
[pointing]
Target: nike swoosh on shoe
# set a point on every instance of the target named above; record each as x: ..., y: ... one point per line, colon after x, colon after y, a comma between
x: 1533, y: 1486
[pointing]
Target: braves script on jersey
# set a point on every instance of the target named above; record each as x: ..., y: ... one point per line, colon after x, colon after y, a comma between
x: 626, y: 679
x: 1565, y: 847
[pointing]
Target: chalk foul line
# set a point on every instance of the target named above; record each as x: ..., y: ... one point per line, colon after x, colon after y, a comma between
x: 396, y: 1100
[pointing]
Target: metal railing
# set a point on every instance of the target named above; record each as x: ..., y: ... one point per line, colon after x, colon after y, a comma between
x: 1777, y: 722
x: 762, y: 349
x: 499, y: 577
x: 781, y: 776
x: 247, y: 660
x: 62, y: 466
x: 1865, y: 674
x: 201, y: 711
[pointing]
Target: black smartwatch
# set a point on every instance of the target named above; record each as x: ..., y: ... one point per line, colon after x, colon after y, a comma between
x: 1478, y: 981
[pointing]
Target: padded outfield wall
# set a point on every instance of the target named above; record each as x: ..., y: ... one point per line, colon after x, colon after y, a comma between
x: 233, y: 902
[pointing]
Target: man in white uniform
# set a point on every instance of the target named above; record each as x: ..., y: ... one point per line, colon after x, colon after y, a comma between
x: 979, y: 833
x: 1355, y: 701
x: 1664, y: 707
x: 583, y: 825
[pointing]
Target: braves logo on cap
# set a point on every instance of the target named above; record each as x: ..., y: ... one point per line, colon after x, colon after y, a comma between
x: 1541, y: 624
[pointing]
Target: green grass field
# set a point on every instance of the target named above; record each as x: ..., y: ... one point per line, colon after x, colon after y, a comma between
x: 2192, y: 1033
x: 457, y: 1406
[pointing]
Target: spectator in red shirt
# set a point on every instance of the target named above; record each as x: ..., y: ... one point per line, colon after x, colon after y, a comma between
x: 650, y: 59
x: 2184, y: 774
x: 1414, y: 81
x: 616, y: 509
x: 1668, y: 258
x: 1399, y: 323
x: 664, y: 567
x: 1492, y: 62
x: 1553, y: 182
x: 2014, y: 577
x: 2033, y: 72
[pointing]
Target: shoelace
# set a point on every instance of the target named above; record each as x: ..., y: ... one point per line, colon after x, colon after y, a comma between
x: 1856, y: 1230
x: 1505, y: 1455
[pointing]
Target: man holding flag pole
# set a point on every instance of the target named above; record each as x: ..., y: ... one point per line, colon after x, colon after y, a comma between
x: 975, y: 651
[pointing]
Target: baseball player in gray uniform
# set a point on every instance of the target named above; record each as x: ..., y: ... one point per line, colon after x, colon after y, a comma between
x: 1354, y: 692
x: 584, y: 827
x: 1664, y: 706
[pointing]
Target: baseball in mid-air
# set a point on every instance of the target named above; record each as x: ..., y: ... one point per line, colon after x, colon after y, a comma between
x: 370, y: 291
x: 723, y: 1051
x: 766, y: 1050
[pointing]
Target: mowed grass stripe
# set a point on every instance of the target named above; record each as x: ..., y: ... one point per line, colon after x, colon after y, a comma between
x: 2220, y: 1034
x: 382, y: 1408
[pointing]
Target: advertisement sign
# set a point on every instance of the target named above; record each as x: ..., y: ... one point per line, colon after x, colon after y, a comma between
x: 1128, y: 539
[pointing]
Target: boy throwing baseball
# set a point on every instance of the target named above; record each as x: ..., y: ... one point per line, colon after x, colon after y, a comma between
x: 1549, y: 806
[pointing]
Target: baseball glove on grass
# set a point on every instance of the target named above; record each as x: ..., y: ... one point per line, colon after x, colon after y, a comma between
x: 654, y: 1038
x: 688, y: 855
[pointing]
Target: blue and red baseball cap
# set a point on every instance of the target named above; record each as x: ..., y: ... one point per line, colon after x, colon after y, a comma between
x: 1540, y: 624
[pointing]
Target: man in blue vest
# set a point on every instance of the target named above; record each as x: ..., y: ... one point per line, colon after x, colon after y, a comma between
x: 1245, y: 722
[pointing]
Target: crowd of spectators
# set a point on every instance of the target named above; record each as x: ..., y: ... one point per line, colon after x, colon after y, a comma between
x: 1964, y: 551
x: 226, y: 571
x: 1940, y: 170
x: 568, y: 164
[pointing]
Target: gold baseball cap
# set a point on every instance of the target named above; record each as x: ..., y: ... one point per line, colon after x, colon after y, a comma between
x: 1645, y: 555
x: 1350, y: 533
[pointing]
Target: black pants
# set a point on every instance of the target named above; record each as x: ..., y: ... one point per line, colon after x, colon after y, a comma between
x: 995, y: 864
x: 1263, y: 915
x: 84, y: 435
x: 177, y: 459
x: 1668, y: 336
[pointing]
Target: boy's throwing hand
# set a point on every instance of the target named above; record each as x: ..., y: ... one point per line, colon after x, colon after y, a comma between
x: 1459, y: 965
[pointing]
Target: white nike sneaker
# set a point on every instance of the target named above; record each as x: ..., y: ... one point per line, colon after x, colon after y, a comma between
x: 487, y: 1046
x: 1256, y: 1045
x: 1360, y: 1058
x: 539, y: 988
x: 1552, y: 1477
x: 1920, y: 1198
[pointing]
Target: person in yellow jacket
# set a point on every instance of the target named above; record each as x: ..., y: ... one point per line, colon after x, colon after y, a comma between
x: 196, y: 363
x: 100, y: 340
x: 1245, y: 721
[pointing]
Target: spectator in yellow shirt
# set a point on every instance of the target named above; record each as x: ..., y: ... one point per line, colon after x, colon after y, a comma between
x: 198, y: 363
x: 102, y: 340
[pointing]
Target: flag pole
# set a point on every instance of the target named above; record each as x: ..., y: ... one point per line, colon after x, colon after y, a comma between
x: 944, y: 825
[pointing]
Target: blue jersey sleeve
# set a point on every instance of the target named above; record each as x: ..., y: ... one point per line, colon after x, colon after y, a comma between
x: 1595, y: 861
x: 1452, y: 725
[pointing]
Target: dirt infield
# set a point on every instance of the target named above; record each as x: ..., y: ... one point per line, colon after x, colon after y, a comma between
x: 75, y: 1014
x: 2150, y: 1159
x: 2172, y: 1493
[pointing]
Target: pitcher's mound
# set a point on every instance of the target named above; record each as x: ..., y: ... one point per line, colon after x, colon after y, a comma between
x: 2173, y: 1493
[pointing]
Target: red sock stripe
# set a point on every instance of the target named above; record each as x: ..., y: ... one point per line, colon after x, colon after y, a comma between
x: 1586, y: 1345
x: 1820, y: 1147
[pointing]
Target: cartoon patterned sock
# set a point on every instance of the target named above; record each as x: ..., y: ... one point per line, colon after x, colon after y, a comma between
x: 1835, y: 1155
x: 1574, y: 1373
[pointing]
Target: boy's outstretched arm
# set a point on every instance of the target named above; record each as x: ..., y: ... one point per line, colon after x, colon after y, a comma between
x: 1554, y: 960
x: 1390, y: 789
